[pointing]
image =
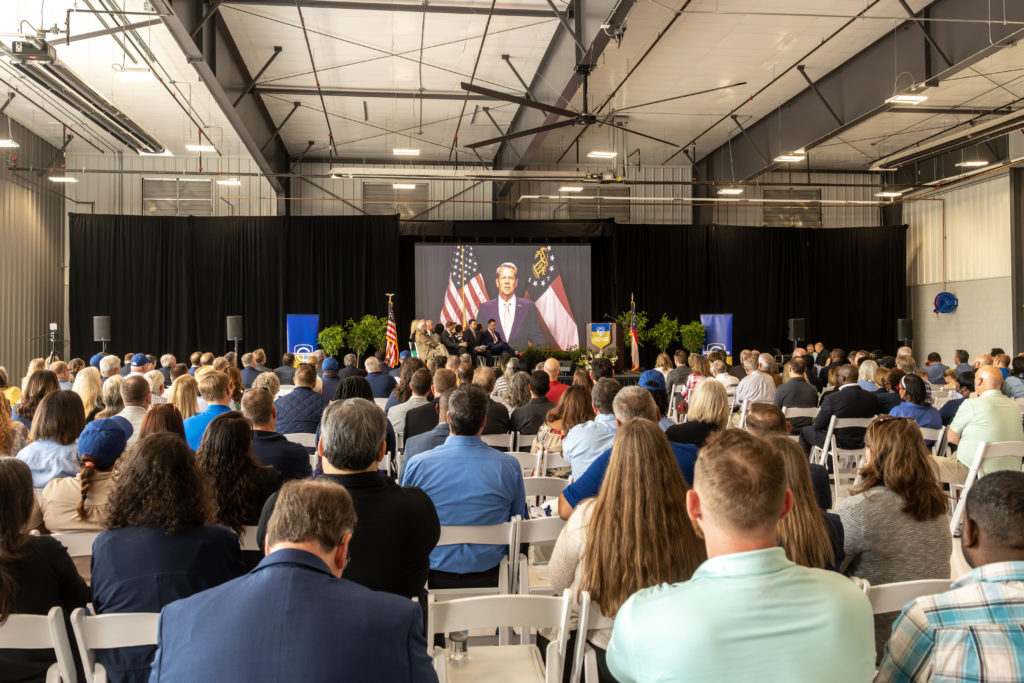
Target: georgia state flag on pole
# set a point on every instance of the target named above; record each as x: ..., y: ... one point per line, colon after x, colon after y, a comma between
x: 633, y: 334
x: 544, y: 286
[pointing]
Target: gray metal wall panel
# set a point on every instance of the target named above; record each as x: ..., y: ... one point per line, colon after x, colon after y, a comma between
x: 846, y: 216
x: 31, y: 254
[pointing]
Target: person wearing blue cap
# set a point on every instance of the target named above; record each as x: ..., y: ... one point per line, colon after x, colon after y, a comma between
x: 396, y: 372
x: 95, y: 360
x: 654, y: 381
x: 329, y: 377
x: 139, y: 365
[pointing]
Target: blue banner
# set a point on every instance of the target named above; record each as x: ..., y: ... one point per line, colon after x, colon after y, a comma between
x: 302, y: 331
x: 717, y: 333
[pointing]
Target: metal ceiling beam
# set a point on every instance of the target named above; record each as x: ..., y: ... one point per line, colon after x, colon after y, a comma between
x: 858, y: 94
x: 219, y: 64
x: 108, y: 31
x: 366, y: 94
x: 999, y: 111
x: 399, y: 7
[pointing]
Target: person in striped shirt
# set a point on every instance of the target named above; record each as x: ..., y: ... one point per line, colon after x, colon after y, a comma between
x: 974, y: 632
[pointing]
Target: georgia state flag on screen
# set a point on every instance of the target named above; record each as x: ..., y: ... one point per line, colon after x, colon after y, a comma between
x: 544, y: 286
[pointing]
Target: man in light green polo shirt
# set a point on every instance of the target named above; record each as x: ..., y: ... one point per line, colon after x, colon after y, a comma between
x: 991, y: 417
x: 748, y: 613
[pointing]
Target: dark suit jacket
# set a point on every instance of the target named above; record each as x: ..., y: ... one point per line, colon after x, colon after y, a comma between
x: 290, y: 619
x: 497, y: 418
x: 528, y: 418
x: 166, y: 372
x: 812, y: 375
x: 450, y: 343
x: 525, y: 324
x: 851, y: 402
x: 381, y: 384
x: 285, y: 373
x: 287, y: 457
x: 350, y: 371
x: 249, y: 374
x: 677, y: 376
x: 738, y: 371
x: 421, y: 419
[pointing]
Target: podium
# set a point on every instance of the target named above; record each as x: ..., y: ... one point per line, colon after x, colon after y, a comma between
x: 606, y: 338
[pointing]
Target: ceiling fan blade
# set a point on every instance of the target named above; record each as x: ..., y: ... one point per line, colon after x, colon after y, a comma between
x: 633, y: 132
x: 679, y: 97
x: 523, y: 133
x: 498, y: 95
x: 582, y: 133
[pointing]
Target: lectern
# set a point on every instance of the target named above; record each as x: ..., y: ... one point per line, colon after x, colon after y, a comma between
x: 606, y: 338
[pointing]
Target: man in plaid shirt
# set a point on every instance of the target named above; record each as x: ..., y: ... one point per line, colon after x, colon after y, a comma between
x: 975, y: 632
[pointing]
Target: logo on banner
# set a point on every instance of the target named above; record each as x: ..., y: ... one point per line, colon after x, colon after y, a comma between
x: 302, y: 352
x: 600, y: 335
x: 718, y: 333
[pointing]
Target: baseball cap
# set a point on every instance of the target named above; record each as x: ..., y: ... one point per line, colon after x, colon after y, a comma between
x: 105, y: 439
x: 652, y: 380
x: 139, y: 359
x: 95, y: 360
x: 329, y: 365
x: 403, y: 355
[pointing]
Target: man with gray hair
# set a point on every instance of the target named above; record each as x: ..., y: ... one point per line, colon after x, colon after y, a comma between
x: 630, y: 402
x: 720, y: 371
x: 758, y: 386
x: 249, y: 370
x: 321, y: 626
x: 167, y: 361
x: 109, y: 366
x: 382, y: 384
x: 587, y: 440
x: 398, y: 526
x: 349, y: 367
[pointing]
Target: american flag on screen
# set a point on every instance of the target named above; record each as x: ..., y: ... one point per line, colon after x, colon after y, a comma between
x: 391, y: 335
x: 466, y: 289
x: 544, y: 285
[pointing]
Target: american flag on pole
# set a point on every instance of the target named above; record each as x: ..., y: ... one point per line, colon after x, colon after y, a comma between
x: 466, y: 288
x: 635, y: 346
x: 391, y: 335
x: 545, y: 287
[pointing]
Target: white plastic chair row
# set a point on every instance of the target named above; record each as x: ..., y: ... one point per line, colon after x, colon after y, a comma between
x: 893, y: 597
x: 108, y: 631
x: 845, y: 461
x: 38, y: 632
x: 986, y: 451
x: 584, y: 661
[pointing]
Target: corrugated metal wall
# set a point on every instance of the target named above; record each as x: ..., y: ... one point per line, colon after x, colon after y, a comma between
x: 977, y: 217
x: 466, y: 200
x: 31, y: 253
x: 831, y: 216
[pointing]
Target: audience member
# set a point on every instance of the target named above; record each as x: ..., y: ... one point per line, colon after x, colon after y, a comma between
x: 700, y: 370
x: 140, y: 365
x: 167, y: 361
x: 810, y: 536
x: 889, y: 393
x: 426, y: 441
x: 750, y: 612
x: 518, y: 393
x: 894, y: 523
x: 848, y: 400
x: 584, y: 442
x: 798, y: 392
x: 36, y: 572
x: 981, y: 360
x: 653, y: 381
x: 469, y: 484
x: 185, y: 396
x: 403, y: 390
x: 52, y: 451
x: 269, y: 381
x: 970, y: 633
x: 1013, y: 386
x: 271, y: 448
x: 575, y: 408
x: 194, y: 359
x: 249, y: 370
x: 991, y: 417
x: 419, y: 386
x: 299, y: 410
x: 110, y: 366
x: 60, y: 370
x: 497, y: 414
x: 765, y: 420
x: 582, y: 378
x: 963, y: 389
x: 350, y: 368
x: 398, y: 527
x: 678, y: 374
x: 633, y: 535
x: 810, y: 369
x: 960, y: 357
x: 708, y: 415
x: 527, y: 419
x: 739, y: 370
x: 13, y: 435
x: 162, y: 418
x: 630, y: 402
x: 866, y: 375
x: 214, y: 388
x: 601, y: 367
x: 915, y: 405
x: 11, y: 393
x: 135, y: 397
x: 382, y: 384
x: 1002, y: 361
x: 156, y: 387
x: 836, y: 358
x: 260, y: 356
x: 934, y: 368
x: 40, y: 384
x: 424, y: 417
x: 720, y: 371
x: 235, y: 387
x: 556, y: 388
x: 758, y: 386
x: 286, y: 370
x: 89, y: 386
x: 178, y: 370
x: 323, y: 626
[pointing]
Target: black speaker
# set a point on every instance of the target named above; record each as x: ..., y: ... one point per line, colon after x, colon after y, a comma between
x: 101, y: 328
x: 234, y: 324
x: 904, y: 328
x: 796, y: 329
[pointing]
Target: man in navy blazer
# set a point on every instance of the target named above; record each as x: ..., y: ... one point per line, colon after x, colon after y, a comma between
x: 294, y: 618
x: 849, y: 400
x: 517, y: 320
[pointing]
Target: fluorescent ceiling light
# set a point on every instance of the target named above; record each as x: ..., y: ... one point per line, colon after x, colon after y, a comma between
x: 233, y: 182
x: 972, y: 164
x: 399, y: 152
x: 731, y: 190
x: 571, y: 188
x: 62, y: 179
x: 201, y: 148
x: 889, y: 194
x: 165, y: 153
x: 403, y: 186
x: 135, y: 74
x: 8, y: 142
x: 602, y: 155
x: 906, y: 99
x: 791, y: 158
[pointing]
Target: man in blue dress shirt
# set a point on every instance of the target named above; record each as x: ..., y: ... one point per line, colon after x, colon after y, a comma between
x: 587, y: 440
x: 294, y: 618
x: 213, y: 386
x: 471, y: 484
x: 421, y: 443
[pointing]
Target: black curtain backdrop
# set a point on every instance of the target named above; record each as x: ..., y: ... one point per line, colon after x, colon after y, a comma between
x: 168, y: 283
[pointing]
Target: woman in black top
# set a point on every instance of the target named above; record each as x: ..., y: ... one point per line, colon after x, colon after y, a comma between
x: 36, y: 572
x: 708, y: 413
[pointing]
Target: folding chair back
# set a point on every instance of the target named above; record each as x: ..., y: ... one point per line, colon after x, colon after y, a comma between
x: 381, y: 402
x: 986, y: 451
x: 108, y: 631
x: 487, y: 534
x: 308, y: 441
x: 524, y: 441
x: 845, y: 461
x: 38, y: 632
x: 893, y: 597
x: 584, y: 658
x: 800, y: 412
x: 535, y: 532
x: 530, y: 462
x: 502, y: 441
x: 553, y: 460
x: 78, y: 543
x: 546, y: 487
x: 743, y: 414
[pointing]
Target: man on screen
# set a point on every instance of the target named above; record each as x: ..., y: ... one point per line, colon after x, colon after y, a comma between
x: 518, y: 324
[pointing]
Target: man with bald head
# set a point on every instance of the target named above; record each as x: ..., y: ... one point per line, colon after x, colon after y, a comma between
x: 989, y: 417
x: 848, y: 400
x: 810, y: 369
x: 556, y: 389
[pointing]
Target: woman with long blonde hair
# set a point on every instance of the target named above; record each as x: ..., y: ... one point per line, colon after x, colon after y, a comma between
x: 664, y: 364
x: 634, y: 535
x: 34, y: 365
x: 810, y: 536
x: 113, y: 403
x: 89, y: 386
x: 185, y: 396
x: 708, y: 413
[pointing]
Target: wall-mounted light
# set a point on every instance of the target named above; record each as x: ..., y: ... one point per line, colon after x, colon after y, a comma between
x: 403, y: 186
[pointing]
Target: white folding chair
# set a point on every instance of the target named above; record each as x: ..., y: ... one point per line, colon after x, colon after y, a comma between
x: 38, y: 632
x: 381, y: 402
x: 501, y: 662
x: 78, y: 543
x: 487, y: 534
x: 530, y: 462
x: 248, y: 539
x: 285, y: 390
x: 986, y: 451
x: 306, y: 440
x: 108, y: 631
x: 524, y: 441
x: 535, y: 532
x: 893, y: 597
x: 743, y: 414
x: 584, y: 658
x: 800, y: 412
x: 504, y: 441
x: 545, y: 487
x: 937, y: 436
x: 553, y: 460
x: 845, y: 461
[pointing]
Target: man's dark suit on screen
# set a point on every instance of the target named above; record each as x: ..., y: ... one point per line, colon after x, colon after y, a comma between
x: 525, y: 323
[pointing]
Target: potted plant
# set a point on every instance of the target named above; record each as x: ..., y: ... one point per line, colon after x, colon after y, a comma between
x: 365, y: 334
x: 664, y: 332
x: 692, y: 336
x: 332, y: 339
x: 641, y: 326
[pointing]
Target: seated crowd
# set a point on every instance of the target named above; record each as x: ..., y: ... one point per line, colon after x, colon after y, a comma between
x: 711, y: 546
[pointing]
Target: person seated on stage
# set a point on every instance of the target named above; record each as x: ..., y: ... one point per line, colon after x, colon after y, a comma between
x: 419, y: 387
x: 970, y: 633
x: 583, y: 443
x: 797, y: 392
x: 758, y: 386
x: 424, y: 417
x: 630, y: 402
x: 493, y: 341
x: 421, y: 443
x: 286, y: 370
x: 269, y: 446
x: 299, y: 410
x: 764, y: 420
x: 380, y: 383
x: 321, y: 626
x: 749, y: 611
x: 329, y: 379
x: 426, y: 345
x: 556, y: 389
x: 848, y: 400
x: 470, y: 484
x: 601, y: 367
x: 527, y: 419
